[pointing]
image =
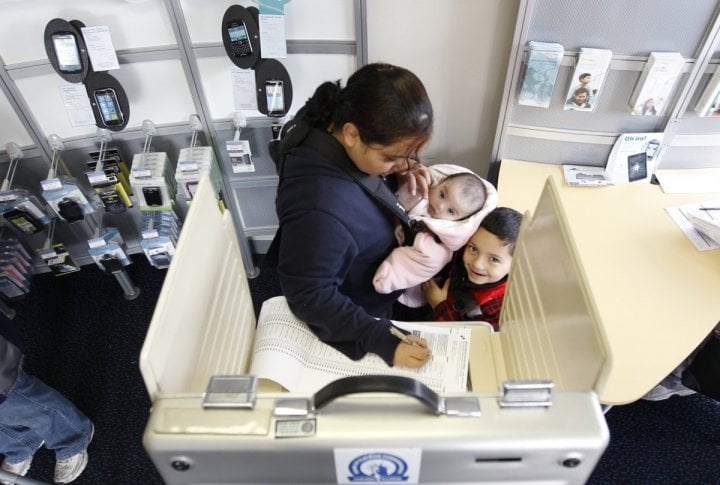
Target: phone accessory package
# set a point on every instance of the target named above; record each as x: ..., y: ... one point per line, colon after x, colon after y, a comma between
x: 15, y: 269
x: 66, y: 198
x: 153, y: 181
x: 58, y: 260
x: 23, y: 211
x: 192, y: 164
x: 108, y: 250
x: 159, y: 237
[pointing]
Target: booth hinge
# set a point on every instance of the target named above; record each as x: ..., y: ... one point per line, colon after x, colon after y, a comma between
x: 230, y: 392
x: 523, y: 394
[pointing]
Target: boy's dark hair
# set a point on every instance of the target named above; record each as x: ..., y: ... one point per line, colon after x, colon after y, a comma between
x: 504, y: 223
x: 387, y: 103
x: 472, y: 187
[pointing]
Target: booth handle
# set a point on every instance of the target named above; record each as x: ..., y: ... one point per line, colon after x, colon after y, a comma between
x: 379, y: 383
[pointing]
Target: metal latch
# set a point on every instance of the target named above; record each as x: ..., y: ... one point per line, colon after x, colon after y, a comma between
x: 462, y: 406
x: 230, y: 392
x: 522, y: 394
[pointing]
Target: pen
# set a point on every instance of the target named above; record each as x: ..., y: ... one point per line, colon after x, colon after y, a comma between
x: 402, y: 336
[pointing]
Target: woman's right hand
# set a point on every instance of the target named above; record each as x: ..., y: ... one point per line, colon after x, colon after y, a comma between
x: 412, y: 355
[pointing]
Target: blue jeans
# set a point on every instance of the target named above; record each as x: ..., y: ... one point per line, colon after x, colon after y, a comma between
x: 35, y: 412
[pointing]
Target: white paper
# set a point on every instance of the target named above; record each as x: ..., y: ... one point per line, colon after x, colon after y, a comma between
x: 584, y: 176
x: 287, y: 352
x: 272, y: 36
x: 240, y: 155
x: 681, y: 216
x: 100, y: 48
x: 689, y: 181
x: 633, y: 157
x: 243, y: 89
x: 77, y: 105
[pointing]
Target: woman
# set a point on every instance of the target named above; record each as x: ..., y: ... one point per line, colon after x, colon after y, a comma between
x: 334, y: 233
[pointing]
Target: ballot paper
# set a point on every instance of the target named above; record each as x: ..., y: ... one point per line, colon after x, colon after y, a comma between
x: 287, y: 352
x: 699, y: 222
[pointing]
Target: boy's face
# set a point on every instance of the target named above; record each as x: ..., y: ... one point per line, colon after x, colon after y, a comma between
x: 487, y: 259
x: 445, y: 201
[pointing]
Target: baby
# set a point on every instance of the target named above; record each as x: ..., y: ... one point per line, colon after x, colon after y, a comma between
x: 456, y: 204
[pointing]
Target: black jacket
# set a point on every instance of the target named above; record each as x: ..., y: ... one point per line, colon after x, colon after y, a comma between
x: 334, y: 237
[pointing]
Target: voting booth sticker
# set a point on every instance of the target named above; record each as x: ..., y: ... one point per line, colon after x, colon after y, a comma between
x: 393, y: 465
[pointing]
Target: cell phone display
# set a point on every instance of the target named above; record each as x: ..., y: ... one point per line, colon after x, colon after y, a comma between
x: 239, y: 39
x: 637, y: 167
x: 153, y: 196
x: 23, y: 221
x: 67, y: 52
x: 275, y: 97
x: 109, y: 107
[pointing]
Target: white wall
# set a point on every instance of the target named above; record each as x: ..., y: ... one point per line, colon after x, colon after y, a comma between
x: 460, y: 50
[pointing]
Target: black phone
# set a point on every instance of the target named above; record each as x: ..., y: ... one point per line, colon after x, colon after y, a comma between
x: 275, y: 96
x: 23, y: 221
x: 153, y: 196
x: 67, y: 52
x: 239, y: 38
x: 70, y: 210
x: 109, y: 107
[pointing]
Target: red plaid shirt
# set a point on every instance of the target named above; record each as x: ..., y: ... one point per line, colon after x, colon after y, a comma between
x: 467, y: 301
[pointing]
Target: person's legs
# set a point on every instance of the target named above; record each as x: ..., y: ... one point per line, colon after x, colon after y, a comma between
x: 18, y: 439
x: 50, y: 417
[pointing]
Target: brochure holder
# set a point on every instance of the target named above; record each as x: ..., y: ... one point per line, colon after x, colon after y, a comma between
x: 66, y: 50
x: 268, y: 72
x: 241, y: 36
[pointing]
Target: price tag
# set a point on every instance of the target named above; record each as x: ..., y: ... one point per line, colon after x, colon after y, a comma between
x: 97, y: 242
x: 6, y: 196
x: 48, y: 254
x: 151, y: 234
x: 97, y: 178
x: 188, y: 166
x: 51, y: 184
x: 141, y: 173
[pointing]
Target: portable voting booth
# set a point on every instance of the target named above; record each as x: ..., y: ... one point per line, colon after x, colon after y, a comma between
x: 512, y: 426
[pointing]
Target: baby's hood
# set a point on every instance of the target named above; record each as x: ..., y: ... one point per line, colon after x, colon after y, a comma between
x: 455, y: 234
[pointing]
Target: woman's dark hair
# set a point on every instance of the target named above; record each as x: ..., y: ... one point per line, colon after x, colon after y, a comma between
x: 387, y: 103
x: 503, y: 223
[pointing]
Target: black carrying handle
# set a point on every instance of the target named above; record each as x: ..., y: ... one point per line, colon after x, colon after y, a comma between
x: 378, y: 383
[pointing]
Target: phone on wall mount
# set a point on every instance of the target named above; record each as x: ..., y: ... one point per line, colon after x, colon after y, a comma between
x: 109, y: 107
x: 239, y: 38
x: 275, y: 95
x: 67, y: 52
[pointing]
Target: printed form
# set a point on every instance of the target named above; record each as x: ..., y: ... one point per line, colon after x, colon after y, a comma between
x: 287, y: 352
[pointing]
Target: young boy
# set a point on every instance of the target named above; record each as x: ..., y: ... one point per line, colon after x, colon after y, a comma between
x: 458, y: 199
x: 475, y: 287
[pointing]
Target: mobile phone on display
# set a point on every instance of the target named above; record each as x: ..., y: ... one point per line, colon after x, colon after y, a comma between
x: 637, y: 167
x: 109, y: 107
x: 153, y: 196
x: 239, y: 38
x: 275, y: 95
x: 23, y: 221
x: 67, y: 52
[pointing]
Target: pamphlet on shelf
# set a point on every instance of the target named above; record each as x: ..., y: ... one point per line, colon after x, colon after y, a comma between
x: 287, y: 352
x: 656, y: 83
x: 587, y: 80
x: 709, y: 102
x: 585, y: 176
x: 633, y: 157
x: 543, y: 65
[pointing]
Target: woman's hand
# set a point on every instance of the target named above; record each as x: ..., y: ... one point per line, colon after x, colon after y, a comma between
x: 434, y: 294
x: 412, y: 355
x: 417, y: 177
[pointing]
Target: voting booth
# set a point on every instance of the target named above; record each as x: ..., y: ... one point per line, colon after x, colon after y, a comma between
x: 530, y: 415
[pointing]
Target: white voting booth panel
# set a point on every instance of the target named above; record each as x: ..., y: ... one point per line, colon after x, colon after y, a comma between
x: 204, y: 322
x: 196, y: 333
